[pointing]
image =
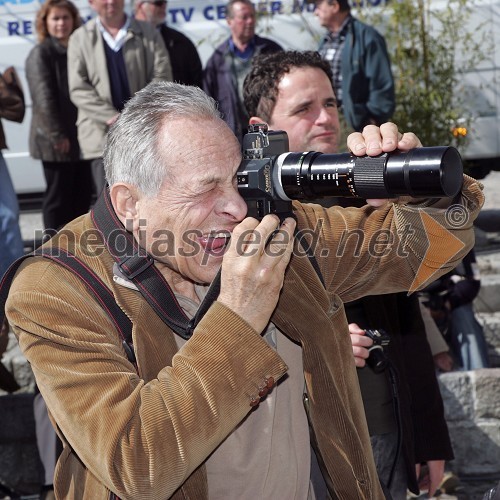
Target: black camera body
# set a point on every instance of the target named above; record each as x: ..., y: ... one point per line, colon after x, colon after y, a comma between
x: 257, y: 174
x: 377, y: 360
x: 270, y: 176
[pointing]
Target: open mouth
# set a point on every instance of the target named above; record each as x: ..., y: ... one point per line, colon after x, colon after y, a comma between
x: 216, y: 243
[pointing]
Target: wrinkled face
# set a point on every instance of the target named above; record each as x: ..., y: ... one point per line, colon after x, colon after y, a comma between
x: 60, y: 24
x: 306, y: 109
x: 242, y: 23
x: 153, y: 11
x: 198, y: 205
x: 325, y: 12
x: 108, y: 9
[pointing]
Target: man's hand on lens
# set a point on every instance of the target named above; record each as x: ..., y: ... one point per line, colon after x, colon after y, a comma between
x: 384, y: 139
x: 374, y: 141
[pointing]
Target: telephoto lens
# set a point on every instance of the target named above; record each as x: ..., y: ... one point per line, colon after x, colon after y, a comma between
x: 270, y: 177
x: 434, y: 172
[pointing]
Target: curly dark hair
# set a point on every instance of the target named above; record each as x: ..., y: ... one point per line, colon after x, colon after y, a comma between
x: 41, y: 16
x: 261, y: 84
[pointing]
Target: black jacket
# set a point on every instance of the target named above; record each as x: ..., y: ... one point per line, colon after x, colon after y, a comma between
x: 184, y: 58
x: 219, y: 83
x: 53, y: 115
x: 425, y: 432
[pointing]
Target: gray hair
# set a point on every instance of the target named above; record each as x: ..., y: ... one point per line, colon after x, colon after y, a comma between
x: 131, y: 154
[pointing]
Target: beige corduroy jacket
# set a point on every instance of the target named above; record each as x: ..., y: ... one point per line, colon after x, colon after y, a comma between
x: 147, y: 436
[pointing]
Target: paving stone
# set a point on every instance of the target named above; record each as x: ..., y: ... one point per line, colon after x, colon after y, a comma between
x: 476, y: 445
x: 20, y: 468
x: 488, y: 299
x: 487, y: 395
x: 456, y: 390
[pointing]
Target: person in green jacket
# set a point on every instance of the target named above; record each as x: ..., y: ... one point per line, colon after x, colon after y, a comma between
x: 362, y: 76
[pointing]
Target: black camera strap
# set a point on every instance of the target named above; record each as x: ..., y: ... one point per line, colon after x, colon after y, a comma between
x: 137, y: 266
x: 94, y: 284
x: 394, y: 381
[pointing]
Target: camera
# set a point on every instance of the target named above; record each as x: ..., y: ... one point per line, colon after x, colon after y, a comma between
x: 270, y: 176
x: 377, y: 360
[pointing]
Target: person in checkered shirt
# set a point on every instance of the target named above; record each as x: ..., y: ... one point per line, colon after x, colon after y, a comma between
x: 362, y: 76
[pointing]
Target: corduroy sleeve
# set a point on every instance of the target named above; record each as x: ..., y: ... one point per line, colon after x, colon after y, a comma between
x: 401, y: 247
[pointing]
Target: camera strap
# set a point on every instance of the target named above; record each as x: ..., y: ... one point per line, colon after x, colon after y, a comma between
x: 394, y: 381
x: 98, y: 289
x: 137, y: 266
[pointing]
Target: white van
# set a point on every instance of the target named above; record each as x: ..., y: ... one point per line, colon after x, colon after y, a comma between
x: 481, y: 88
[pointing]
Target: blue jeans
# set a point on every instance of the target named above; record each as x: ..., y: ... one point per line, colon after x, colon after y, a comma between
x: 467, y: 338
x: 11, y: 242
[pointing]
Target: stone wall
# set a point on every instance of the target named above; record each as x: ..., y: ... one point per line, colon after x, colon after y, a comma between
x: 472, y: 399
x: 472, y: 409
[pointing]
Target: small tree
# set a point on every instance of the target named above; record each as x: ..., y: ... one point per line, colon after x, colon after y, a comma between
x: 430, y: 50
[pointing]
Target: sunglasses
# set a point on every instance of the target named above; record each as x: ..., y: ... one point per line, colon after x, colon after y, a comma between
x: 156, y: 3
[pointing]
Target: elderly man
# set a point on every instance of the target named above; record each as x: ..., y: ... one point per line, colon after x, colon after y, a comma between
x: 215, y: 410
x: 292, y: 91
x: 229, y: 64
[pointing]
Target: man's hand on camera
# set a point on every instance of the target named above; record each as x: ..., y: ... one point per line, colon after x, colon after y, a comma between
x: 374, y: 141
x: 254, y: 266
x: 360, y: 344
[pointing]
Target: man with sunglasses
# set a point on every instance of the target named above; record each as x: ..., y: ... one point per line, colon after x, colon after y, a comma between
x: 184, y: 58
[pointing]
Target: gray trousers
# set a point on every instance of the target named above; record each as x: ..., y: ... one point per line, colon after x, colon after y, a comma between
x: 46, y: 439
